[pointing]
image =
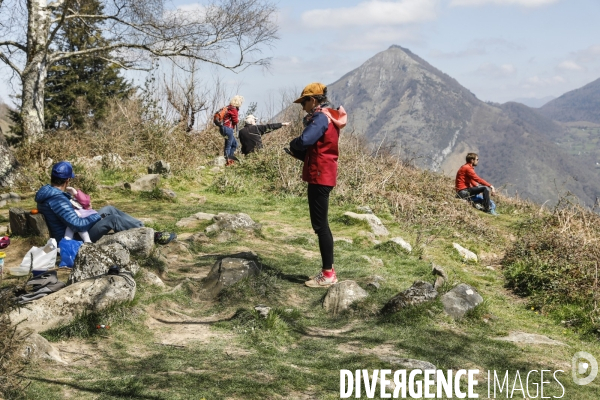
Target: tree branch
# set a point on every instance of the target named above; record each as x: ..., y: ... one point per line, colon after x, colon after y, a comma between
x: 15, y: 44
x: 10, y: 64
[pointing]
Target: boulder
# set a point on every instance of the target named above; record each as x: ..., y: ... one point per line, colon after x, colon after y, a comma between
x: 161, y: 168
x: 262, y: 310
x: 418, y: 293
x: 37, y: 347
x: 95, y: 259
x: 18, y: 221
x: 146, y: 183
x: 150, y: 278
x: 194, y: 220
x: 374, y: 222
x: 139, y: 241
x: 229, y: 270
x: 341, y: 295
x: 62, y: 307
x: 458, y: 301
x: 168, y: 193
x: 231, y: 222
x: 199, y: 237
x: 466, y: 254
x: 402, y: 243
x: 36, y: 224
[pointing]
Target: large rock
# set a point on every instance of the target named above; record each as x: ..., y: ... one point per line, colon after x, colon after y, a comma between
x: 194, y: 220
x: 458, y: 301
x: 95, y: 259
x: 402, y: 243
x: 62, y: 307
x: 18, y: 221
x: 150, y: 278
x: 146, y: 183
x: 440, y: 276
x: 161, y: 167
x: 36, y: 223
x: 341, y: 295
x: 467, y: 255
x: 139, y: 241
x: 229, y: 270
x: 37, y: 347
x: 231, y: 222
x: 418, y: 293
x: 374, y: 222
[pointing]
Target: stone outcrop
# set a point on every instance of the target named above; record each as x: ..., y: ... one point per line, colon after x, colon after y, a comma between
x: 231, y: 222
x: 402, y: 243
x: 418, y: 293
x: 61, y: 307
x: 139, y: 241
x: 440, y: 276
x: 374, y: 222
x: 146, y: 183
x: 194, y: 220
x: 458, y: 301
x: 229, y: 270
x: 160, y: 167
x: 95, y: 259
x: 467, y: 255
x: 341, y: 295
x: 36, y: 347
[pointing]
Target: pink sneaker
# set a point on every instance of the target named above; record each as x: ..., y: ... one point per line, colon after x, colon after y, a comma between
x: 322, y: 281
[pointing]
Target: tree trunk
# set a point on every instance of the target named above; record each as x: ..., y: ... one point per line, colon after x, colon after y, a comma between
x: 8, y: 164
x: 33, y: 77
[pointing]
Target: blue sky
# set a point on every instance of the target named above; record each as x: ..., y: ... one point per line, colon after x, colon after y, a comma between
x: 499, y: 49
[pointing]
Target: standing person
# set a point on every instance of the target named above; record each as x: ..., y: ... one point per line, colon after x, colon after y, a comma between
x: 230, y: 123
x: 251, y: 134
x: 317, y: 146
x: 469, y: 184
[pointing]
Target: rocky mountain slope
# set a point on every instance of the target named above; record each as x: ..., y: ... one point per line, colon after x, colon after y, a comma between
x: 399, y: 100
x: 581, y: 104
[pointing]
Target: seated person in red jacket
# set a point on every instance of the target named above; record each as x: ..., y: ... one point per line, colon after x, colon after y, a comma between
x: 251, y: 134
x: 468, y: 184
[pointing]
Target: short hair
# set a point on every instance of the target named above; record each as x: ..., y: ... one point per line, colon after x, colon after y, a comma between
x: 56, y: 181
x: 237, y: 100
x: 471, y: 157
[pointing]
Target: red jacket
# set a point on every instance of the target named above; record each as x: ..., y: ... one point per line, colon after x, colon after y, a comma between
x: 318, y: 145
x: 231, y: 117
x: 466, y: 178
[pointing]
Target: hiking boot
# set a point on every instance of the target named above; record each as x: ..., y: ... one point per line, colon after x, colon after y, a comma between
x: 229, y: 162
x: 492, y: 212
x: 322, y: 281
x: 164, y: 237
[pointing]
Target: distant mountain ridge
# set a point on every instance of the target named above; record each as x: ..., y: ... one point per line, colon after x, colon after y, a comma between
x: 581, y: 104
x: 399, y: 99
x: 534, y: 102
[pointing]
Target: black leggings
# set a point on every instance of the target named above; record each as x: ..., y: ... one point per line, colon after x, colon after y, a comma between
x: 318, y: 205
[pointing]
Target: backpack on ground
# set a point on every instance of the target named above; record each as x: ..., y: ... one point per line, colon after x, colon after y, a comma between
x: 219, y: 117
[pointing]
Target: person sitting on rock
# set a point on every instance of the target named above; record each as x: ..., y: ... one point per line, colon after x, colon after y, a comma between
x: 468, y: 184
x: 251, y: 134
x: 56, y: 207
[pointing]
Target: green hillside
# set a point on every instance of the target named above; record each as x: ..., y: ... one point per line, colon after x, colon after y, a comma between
x: 179, y: 343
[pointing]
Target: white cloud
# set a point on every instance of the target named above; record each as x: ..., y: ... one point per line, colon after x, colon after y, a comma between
x: 570, y: 66
x: 537, y: 82
x: 588, y: 55
x: 496, y: 71
x: 373, y: 12
x: 524, y: 3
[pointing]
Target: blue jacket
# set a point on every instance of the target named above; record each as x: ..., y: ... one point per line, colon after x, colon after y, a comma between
x: 58, y: 211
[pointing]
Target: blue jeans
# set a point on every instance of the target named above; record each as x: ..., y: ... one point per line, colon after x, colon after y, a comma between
x: 112, y: 219
x: 230, y: 142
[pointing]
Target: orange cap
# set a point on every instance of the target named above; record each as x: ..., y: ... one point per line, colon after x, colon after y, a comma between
x: 312, y: 89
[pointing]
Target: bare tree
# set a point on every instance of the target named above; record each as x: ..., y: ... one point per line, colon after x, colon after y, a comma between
x: 184, y: 96
x: 226, y: 33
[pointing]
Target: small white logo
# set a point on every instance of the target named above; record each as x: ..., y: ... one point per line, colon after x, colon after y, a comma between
x: 584, y: 363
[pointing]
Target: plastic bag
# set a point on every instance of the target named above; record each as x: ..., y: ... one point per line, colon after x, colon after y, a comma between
x: 44, y: 258
x: 68, y: 252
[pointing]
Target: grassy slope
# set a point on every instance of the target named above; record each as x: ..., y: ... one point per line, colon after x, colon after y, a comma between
x: 299, y: 353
